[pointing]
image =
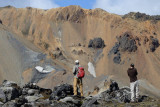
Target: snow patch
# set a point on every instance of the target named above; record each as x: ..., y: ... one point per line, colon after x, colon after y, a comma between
x: 46, y: 70
x: 91, y: 69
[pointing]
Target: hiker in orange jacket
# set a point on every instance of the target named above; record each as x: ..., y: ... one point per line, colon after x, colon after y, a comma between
x: 77, y: 81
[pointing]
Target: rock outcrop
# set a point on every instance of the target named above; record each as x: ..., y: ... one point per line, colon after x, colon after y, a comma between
x: 126, y: 43
x: 96, y: 43
x: 62, y: 96
x: 154, y: 44
x: 61, y: 91
x: 141, y: 16
x: 72, y: 14
x: 117, y: 58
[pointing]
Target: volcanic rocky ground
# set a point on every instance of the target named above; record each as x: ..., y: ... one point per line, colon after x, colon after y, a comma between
x: 31, y: 95
x: 55, y: 38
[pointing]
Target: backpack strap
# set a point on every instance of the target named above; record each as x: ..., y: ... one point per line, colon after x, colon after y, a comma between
x: 76, y: 69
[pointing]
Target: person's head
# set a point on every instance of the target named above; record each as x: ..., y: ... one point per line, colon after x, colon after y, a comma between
x: 132, y: 65
x: 77, y: 62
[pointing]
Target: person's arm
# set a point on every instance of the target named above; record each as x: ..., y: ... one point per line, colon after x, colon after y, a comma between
x: 74, y: 70
x: 128, y: 72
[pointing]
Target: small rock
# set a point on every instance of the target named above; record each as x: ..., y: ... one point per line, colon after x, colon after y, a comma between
x: 31, y: 86
x: 31, y: 92
x: 117, y: 59
x: 61, y: 91
x: 115, y: 49
x: 9, y: 84
x: 33, y: 98
x: 79, y: 44
x: 147, y: 51
x: 90, y: 103
x: 10, y: 104
x: 64, y: 72
x: 20, y: 101
x: 1, y: 104
x: 25, y: 91
x: 71, y: 100
x: 61, y: 104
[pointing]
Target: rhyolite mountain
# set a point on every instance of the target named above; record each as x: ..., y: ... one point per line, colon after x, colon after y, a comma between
x: 56, y: 37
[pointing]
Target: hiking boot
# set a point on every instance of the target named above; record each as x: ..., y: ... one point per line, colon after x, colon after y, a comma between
x: 82, y: 97
x: 137, y: 100
x: 133, y: 101
x: 76, y: 96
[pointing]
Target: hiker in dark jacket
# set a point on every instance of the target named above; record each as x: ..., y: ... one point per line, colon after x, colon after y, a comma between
x: 77, y: 81
x: 132, y: 73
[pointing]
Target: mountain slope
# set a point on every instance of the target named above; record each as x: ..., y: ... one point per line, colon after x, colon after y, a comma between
x: 68, y: 30
x: 15, y: 56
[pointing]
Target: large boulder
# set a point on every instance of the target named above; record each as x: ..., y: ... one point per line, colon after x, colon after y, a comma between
x: 127, y: 43
x: 96, y: 43
x: 154, y: 44
x: 10, y: 104
x: 113, y: 86
x: 2, y: 96
x: 71, y: 100
x: 10, y: 93
x: 121, y: 95
x: 61, y: 91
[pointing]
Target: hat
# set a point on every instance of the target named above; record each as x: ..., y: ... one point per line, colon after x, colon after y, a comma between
x: 132, y: 65
x: 77, y: 61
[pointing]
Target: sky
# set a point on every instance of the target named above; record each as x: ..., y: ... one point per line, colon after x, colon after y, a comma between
x: 121, y: 7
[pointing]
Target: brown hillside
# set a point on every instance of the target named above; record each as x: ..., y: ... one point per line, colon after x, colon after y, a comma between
x: 64, y: 34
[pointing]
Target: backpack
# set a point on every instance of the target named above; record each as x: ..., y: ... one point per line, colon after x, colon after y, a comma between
x: 81, y: 72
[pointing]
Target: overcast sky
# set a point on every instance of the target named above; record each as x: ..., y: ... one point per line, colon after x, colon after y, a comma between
x: 120, y: 7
